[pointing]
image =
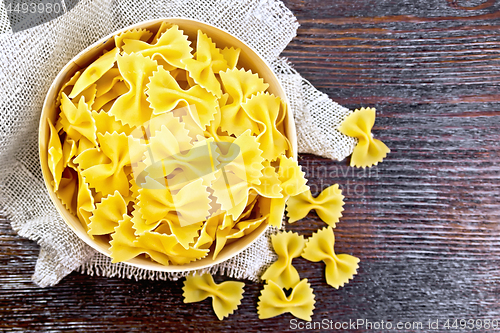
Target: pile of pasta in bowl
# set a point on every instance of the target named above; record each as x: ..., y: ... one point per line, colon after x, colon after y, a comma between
x: 166, y: 148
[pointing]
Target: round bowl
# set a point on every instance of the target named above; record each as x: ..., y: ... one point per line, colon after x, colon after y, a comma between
x: 249, y: 59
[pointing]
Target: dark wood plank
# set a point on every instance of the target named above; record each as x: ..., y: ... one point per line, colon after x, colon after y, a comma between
x: 425, y: 222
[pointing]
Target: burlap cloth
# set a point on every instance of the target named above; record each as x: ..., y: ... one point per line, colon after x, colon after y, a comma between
x: 30, y: 60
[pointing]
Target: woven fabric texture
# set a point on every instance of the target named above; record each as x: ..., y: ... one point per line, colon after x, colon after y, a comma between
x: 29, y: 62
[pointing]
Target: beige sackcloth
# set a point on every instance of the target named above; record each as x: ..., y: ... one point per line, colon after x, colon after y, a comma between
x: 31, y: 59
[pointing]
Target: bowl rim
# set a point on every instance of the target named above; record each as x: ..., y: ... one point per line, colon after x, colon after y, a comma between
x: 72, y: 66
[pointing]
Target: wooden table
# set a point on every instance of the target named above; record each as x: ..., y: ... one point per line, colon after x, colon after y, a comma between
x: 425, y: 222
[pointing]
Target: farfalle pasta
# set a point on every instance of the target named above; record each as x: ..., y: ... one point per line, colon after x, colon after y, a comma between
x: 168, y: 148
x: 287, y: 245
x: 340, y: 268
x: 328, y: 205
x: 368, y: 151
x: 273, y: 301
x: 226, y: 296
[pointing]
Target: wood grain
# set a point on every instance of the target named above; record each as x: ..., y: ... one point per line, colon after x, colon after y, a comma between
x: 425, y: 222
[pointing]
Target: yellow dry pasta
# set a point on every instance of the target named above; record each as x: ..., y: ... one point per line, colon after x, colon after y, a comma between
x: 328, y: 205
x: 339, y: 268
x: 94, y: 71
x: 162, y: 248
x: 106, y: 82
x: 291, y: 177
x: 106, y: 214
x: 118, y: 89
x: 264, y: 109
x: 89, y: 96
x: 239, y: 85
x: 172, y: 47
x: 167, y: 244
x: 231, y: 55
x: 55, y: 157
x: 77, y: 121
x: 132, y: 108
x: 174, y: 126
x: 67, y: 85
x: 69, y: 150
x: 68, y: 190
x: 273, y: 301
x: 191, y: 204
x: 85, y: 202
x: 232, y: 192
x: 123, y: 246
x: 107, y: 123
x: 165, y: 95
x: 368, y: 151
x: 104, y: 167
x: 287, y: 245
x: 242, y: 157
x: 184, y: 235
x: 134, y: 34
x: 245, y: 227
x: 226, y: 296
x: 209, y: 61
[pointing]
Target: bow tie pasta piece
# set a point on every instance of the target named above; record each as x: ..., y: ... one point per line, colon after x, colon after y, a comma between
x: 291, y: 176
x: 239, y: 85
x: 287, y: 245
x: 172, y: 47
x: 165, y: 95
x: 68, y: 188
x: 94, y: 71
x: 134, y: 34
x: 226, y: 296
x: 104, y: 168
x: 77, y: 122
x: 132, y: 108
x: 107, y: 214
x: 339, y: 268
x: 368, y: 151
x: 209, y: 60
x: 123, y: 245
x: 242, y: 157
x: 273, y: 301
x: 84, y: 203
x: 56, y: 164
x: 328, y: 205
x: 264, y: 109
x: 191, y: 203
